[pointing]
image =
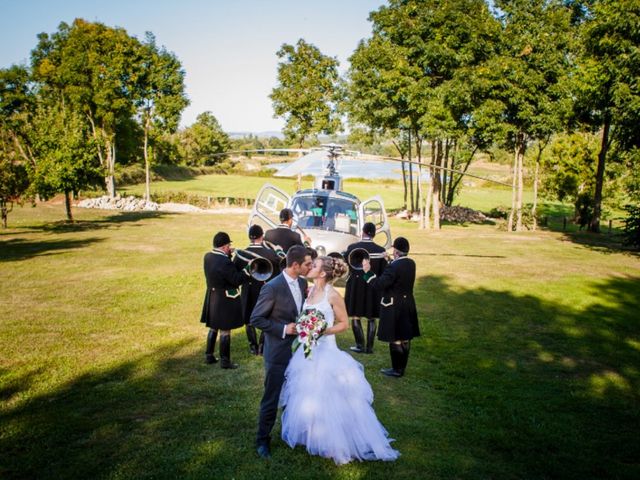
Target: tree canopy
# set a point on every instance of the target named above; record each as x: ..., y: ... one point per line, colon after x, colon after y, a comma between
x: 308, y: 92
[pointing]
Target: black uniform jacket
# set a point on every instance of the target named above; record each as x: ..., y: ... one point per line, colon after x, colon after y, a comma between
x: 251, y: 289
x: 222, y: 308
x: 274, y: 309
x: 283, y: 236
x: 361, y: 299
x: 398, y: 315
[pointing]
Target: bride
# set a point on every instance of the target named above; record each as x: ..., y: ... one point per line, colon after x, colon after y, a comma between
x: 326, y: 398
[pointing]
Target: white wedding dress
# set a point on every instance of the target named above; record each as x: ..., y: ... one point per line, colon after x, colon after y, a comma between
x: 327, y: 403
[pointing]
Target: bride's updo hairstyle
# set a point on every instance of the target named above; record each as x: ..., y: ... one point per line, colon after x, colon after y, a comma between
x: 333, y: 267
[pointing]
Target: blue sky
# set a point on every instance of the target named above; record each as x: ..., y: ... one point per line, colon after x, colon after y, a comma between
x: 227, y: 48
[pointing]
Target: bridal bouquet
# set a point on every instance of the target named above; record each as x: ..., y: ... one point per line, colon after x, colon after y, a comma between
x: 310, y: 325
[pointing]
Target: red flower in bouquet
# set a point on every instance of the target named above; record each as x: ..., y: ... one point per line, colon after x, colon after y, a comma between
x: 310, y: 325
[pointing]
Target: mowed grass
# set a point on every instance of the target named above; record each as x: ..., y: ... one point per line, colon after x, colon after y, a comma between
x: 527, y: 367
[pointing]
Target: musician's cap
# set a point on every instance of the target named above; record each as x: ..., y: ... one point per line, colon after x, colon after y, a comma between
x: 401, y: 244
x: 255, y: 231
x: 369, y: 229
x: 286, y: 214
x: 221, y: 239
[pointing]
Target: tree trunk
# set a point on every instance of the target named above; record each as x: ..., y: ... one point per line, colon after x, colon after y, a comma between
x: 521, y: 150
x: 513, y: 191
x: 420, y: 194
x: 454, y: 183
x: 147, y: 176
x: 534, y: 208
x: 402, y: 153
x: 67, y: 205
x: 427, y: 201
x: 404, y: 182
x: 594, y: 224
x: 5, y: 213
x: 411, y: 177
x: 110, y: 180
x: 418, y: 173
x: 444, y: 175
x: 436, y: 186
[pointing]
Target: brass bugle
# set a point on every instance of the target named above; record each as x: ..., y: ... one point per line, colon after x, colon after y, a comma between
x: 276, y: 248
x: 357, y: 255
x: 261, y: 268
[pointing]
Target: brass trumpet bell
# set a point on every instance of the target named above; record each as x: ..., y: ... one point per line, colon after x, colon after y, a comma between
x: 261, y: 269
x: 356, y: 256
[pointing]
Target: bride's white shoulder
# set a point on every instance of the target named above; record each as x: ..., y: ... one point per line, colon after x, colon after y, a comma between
x: 332, y: 293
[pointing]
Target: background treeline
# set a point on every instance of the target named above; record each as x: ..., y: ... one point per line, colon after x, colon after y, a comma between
x: 550, y: 85
x: 553, y: 83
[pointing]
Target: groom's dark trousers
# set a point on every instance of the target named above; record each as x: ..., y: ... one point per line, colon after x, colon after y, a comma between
x: 274, y: 309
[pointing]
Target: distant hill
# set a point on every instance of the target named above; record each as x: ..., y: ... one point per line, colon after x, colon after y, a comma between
x: 267, y: 134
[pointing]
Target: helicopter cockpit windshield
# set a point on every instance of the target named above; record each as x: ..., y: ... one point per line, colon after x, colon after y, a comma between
x: 326, y: 212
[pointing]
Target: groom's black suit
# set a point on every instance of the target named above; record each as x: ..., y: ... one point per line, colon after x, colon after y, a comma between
x: 274, y: 309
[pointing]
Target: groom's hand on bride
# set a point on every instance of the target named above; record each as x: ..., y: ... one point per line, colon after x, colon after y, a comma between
x: 291, y: 329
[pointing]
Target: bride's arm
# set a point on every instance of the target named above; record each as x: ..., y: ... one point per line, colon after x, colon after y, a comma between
x: 340, y: 322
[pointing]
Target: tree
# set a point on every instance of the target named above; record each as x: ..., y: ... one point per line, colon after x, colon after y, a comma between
x: 204, y: 141
x: 527, y: 77
x: 16, y: 105
x: 95, y: 69
x: 66, y: 155
x: 308, y: 92
x: 404, y: 78
x: 160, y: 96
x: 14, y: 181
x: 607, y: 88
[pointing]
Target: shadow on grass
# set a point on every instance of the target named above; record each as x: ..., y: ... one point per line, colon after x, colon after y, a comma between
x: 454, y: 255
x: 498, y: 386
x: 537, y: 390
x: 21, y: 249
x: 600, y: 242
x: 110, y: 221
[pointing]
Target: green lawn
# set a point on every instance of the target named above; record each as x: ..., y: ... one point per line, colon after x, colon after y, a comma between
x: 528, y: 366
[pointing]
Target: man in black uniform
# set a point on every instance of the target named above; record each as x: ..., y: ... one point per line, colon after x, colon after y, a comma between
x: 398, y: 314
x: 251, y: 290
x: 222, y: 309
x: 361, y: 299
x: 282, y: 235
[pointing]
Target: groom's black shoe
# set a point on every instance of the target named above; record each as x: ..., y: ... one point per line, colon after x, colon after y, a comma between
x: 390, y: 372
x: 264, y: 452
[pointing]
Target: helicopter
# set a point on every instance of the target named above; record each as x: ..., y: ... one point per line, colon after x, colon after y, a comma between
x: 331, y: 217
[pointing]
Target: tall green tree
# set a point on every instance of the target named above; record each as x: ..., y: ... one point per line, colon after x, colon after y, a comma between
x: 203, y: 142
x: 403, y: 77
x: 66, y: 159
x: 607, y: 86
x: 16, y: 108
x: 308, y: 93
x: 527, y: 76
x: 160, y: 96
x: 95, y: 69
x: 17, y: 103
x: 14, y: 180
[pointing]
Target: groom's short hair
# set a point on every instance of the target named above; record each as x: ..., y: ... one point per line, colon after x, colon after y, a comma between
x: 296, y: 254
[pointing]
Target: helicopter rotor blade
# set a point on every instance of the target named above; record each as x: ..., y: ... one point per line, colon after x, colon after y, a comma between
x: 262, y: 150
x: 374, y: 158
x: 314, y: 154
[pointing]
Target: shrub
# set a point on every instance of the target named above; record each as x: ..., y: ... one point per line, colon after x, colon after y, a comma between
x: 631, y: 232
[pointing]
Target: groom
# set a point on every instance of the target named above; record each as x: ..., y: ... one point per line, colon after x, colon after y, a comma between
x: 275, y: 313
